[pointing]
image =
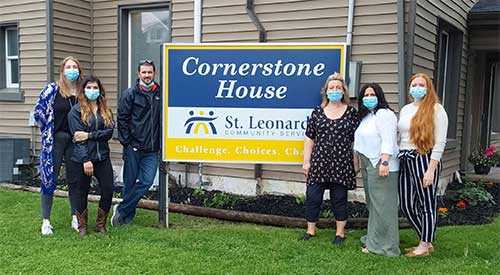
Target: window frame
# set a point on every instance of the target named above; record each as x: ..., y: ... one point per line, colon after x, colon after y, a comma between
x: 447, y: 74
x: 8, y: 59
x: 125, y: 69
x: 13, y: 93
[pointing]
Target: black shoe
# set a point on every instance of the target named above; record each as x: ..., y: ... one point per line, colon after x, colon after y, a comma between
x: 338, y: 241
x: 306, y: 237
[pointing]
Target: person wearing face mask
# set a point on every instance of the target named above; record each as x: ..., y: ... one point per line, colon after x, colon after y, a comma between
x: 91, y: 124
x: 423, y: 125
x: 328, y: 156
x: 375, y: 141
x: 51, y: 113
x: 139, y: 132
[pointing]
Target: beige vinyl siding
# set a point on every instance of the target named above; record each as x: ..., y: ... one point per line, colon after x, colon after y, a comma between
x: 30, y: 17
x: 374, y: 40
x: 182, y: 21
x: 72, y: 33
x: 426, y: 22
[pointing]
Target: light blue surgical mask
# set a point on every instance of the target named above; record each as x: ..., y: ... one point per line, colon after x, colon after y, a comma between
x: 71, y: 74
x: 370, y: 102
x: 418, y: 92
x: 334, y: 95
x: 92, y: 94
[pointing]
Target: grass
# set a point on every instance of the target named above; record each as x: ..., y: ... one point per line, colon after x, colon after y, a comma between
x: 204, y: 246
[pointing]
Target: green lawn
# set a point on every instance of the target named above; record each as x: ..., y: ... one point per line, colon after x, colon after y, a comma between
x: 197, y: 245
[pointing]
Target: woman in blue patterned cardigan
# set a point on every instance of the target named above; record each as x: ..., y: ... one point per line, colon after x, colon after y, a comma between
x: 51, y: 114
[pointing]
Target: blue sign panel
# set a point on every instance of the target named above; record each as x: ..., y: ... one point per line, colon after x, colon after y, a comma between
x: 266, y: 76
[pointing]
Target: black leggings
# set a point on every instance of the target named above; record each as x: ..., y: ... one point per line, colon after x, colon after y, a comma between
x: 314, y: 199
x: 103, y: 171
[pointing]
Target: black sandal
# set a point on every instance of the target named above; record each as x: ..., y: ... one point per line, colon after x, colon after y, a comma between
x: 338, y: 241
x: 306, y: 237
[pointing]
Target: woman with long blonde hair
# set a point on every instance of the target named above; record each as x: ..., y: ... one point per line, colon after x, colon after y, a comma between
x: 91, y: 124
x: 51, y: 114
x: 423, y: 125
x: 328, y: 156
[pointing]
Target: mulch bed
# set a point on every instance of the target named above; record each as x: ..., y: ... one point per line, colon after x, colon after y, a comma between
x: 290, y: 206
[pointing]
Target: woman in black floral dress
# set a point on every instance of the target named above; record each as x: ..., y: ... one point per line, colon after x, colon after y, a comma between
x: 328, y: 156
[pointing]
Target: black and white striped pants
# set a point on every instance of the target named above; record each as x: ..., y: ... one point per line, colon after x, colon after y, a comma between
x: 418, y: 203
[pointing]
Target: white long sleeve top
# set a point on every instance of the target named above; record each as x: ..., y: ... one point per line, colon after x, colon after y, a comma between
x: 440, y: 129
x: 376, y: 135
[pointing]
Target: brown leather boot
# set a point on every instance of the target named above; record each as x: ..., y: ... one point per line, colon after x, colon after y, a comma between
x: 82, y: 222
x: 100, y: 222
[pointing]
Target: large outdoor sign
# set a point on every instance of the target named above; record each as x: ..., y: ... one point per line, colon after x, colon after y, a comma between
x: 242, y: 102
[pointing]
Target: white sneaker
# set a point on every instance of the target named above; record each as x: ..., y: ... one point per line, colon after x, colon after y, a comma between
x: 113, y: 216
x: 74, y: 223
x: 46, y: 228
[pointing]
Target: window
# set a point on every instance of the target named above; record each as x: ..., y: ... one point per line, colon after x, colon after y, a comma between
x: 447, y: 73
x: 9, y: 57
x: 143, y: 29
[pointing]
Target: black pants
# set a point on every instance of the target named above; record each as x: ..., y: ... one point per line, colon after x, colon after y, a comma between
x: 103, y: 171
x: 314, y: 199
x: 62, y: 149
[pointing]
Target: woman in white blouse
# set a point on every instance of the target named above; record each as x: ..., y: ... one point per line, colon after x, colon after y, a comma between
x: 422, y: 126
x: 375, y: 142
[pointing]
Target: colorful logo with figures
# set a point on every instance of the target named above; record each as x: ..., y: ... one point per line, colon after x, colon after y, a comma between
x: 198, y: 120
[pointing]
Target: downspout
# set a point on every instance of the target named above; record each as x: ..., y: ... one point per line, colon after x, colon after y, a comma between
x: 350, y: 76
x: 250, y: 8
x: 411, y: 38
x: 255, y: 20
x: 402, y: 70
x: 350, y: 23
x: 50, y: 40
x: 197, y: 21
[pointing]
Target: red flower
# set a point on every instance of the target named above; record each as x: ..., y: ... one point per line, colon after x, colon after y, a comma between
x: 490, y: 151
x: 462, y: 204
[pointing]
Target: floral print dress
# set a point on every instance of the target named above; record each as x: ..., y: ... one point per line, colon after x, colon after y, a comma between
x: 332, y: 155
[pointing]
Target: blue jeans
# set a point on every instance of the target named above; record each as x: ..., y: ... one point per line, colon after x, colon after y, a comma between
x: 139, y: 170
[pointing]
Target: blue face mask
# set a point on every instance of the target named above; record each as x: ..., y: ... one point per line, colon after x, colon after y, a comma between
x: 370, y: 102
x: 418, y: 92
x: 334, y: 95
x: 91, y: 94
x: 71, y: 74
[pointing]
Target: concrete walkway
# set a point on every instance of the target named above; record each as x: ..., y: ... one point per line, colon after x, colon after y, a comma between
x: 493, y: 176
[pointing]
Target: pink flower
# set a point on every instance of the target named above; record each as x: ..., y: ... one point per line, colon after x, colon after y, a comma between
x: 490, y: 151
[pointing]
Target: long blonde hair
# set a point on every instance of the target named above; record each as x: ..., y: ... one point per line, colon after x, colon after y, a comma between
x: 422, y: 124
x: 332, y: 77
x: 63, y: 83
x: 102, y: 106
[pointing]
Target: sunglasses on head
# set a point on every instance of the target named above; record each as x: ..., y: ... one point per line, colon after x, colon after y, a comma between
x: 146, y: 61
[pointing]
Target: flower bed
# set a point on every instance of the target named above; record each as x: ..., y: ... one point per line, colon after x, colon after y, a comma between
x: 469, y: 202
x: 464, y: 203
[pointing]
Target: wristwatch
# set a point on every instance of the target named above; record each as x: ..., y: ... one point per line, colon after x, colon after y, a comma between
x: 384, y: 163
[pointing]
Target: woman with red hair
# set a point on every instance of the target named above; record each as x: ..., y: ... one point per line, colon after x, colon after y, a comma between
x: 422, y: 125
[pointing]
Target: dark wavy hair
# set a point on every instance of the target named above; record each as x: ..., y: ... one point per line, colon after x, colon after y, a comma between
x: 382, y: 103
x: 102, y: 105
